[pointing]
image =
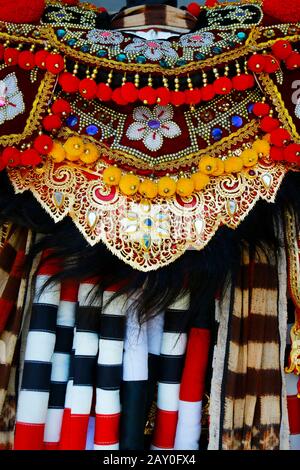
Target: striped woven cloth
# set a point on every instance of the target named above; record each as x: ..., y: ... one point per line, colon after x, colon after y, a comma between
x: 248, y: 370
x: 13, y: 292
x: 93, y: 372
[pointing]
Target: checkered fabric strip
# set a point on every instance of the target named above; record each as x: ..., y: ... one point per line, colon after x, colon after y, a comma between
x: 35, y: 387
x: 171, y: 361
x: 61, y: 363
x: 109, y: 371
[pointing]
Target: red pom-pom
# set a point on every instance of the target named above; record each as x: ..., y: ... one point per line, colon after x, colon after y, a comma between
x: 88, y: 88
x: 61, y: 106
x: 43, y: 144
x: 222, y: 85
x: 293, y: 61
x: 11, y: 56
x: 292, y: 153
x: 52, y: 122
x: 211, y: 3
x: 271, y: 65
x: 280, y: 137
x: 26, y: 60
x: 261, y: 109
x: 104, y: 92
x: 193, y: 96
x: 69, y: 83
x: 30, y: 157
x: 281, y: 11
x: 18, y: 11
x: 208, y: 93
x: 163, y: 96
x: 177, y: 98
x: 102, y: 10
x: 257, y: 63
x: 276, y: 154
x: 269, y: 124
x: 118, y: 98
x: 243, y: 82
x: 129, y: 92
x: 148, y: 95
x: 282, y: 49
x: 11, y: 157
x: 194, y: 9
x: 40, y: 59
x: 55, y: 63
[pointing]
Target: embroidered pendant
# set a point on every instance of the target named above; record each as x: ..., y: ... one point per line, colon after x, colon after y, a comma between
x: 11, y: 99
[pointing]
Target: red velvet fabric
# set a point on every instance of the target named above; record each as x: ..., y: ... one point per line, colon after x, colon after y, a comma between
x: 278, y: 9
x: 18, y: 11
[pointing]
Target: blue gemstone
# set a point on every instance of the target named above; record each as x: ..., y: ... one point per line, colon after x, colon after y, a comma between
x: 141, y: 59
x: 147, y: 240
x: 85, y: 48
x: 148, y: 222
x: 181, y: 62
x: 217, y: 133
x: 217, y: 50
x: 231, y: 43
x: 72, y: 121
x: 121, y: 57
x: 250, y: 107
x: 199, y: 56
x: 60, y: 33
x: 92, y: 130
x: 163, y: 63
x: 154, y: 124
x: 241, y: 35
x: 72, y: 42
x: 101, y: 53
x: 237, y: 121
x: 60, y: 15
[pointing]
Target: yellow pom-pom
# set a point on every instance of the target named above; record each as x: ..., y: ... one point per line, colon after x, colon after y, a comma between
x: 58, y: 153
x: 129, y: 184
x: 220, y: 168
x: 262, y: 147
x: 207, y: 165
x: 166, y: 187
x: 112, y: 176
x: 90, y: 153
x: 249, y: 157
x: 233, y: 164
x: 185, y: 187
x: 200, y: 180
x: 74, y: 147
x: 148, y: 189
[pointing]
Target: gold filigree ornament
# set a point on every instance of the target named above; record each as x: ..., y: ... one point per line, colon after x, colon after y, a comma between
x: 147, y: 234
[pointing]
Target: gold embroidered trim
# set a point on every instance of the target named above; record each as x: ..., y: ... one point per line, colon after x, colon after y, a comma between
x: 40, y: 103
x: 104, y: 214
x: 18, y: 39
x: 283, y: 114
x: 216, y: 149
x: 293, y: 256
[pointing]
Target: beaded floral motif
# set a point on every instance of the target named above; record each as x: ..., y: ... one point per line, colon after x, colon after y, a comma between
x: 152, y: 126
x: 11, y: 99
x: 198, y: 39
x: 152, y: 50
x: 99, y: 36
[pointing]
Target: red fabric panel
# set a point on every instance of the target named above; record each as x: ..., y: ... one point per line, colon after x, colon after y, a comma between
x: 165, y: 429
x: 49, y: 267
x: 107, y: 429
x: 5, y: 310
x: 193, y: 379
x: 51, y: 446
x: 29, y: 436
x: 294, y: 413
x: 74, y: 431
x: 69, y: 291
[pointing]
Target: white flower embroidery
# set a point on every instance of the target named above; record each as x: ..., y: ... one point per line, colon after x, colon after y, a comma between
x: 152, y: 126
x: 297, y: 110
x: 11, y: 99
x: 99, y: 36
x: 197, y: 39
x: 152, y: 50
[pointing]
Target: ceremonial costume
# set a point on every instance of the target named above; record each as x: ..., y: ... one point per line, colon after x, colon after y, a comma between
x: 150, y: 207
